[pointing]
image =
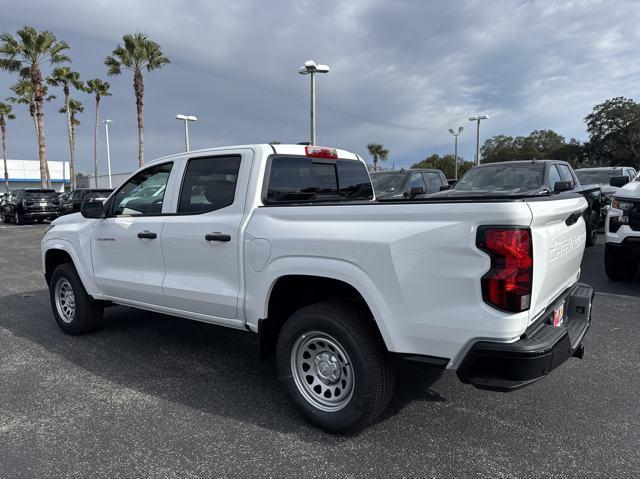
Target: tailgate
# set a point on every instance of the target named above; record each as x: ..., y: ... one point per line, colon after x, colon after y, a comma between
x: 558, y: 233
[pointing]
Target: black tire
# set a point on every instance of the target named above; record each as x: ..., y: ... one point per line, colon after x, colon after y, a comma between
x: 18, y: 218
x: 618, y: 265
x: 87, y: 312
x: 5, y: 218
x: 592, y: 229
x: 373, y: 374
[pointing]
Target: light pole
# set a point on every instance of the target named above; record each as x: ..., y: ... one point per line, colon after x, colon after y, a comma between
x: 311, y: 68
x: 186, y: 119
x: 455, y: 148
x: 106, y: 131
x: 477, y: 119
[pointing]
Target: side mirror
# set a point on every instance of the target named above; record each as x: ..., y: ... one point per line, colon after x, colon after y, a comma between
x: 618, y: 181
x: 561, y: 186
x: 445, y: 187
x: 92, y: 209
x: 416, y: 190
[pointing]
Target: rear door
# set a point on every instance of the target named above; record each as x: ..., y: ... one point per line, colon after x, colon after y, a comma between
x: 558, y: 232
x: 202, y: 240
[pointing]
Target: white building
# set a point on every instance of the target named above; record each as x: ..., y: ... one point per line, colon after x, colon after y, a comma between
x: 26, y: 174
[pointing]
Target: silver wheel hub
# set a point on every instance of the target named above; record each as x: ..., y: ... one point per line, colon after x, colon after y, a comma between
x: 65, y: 300
x: 322, y: 371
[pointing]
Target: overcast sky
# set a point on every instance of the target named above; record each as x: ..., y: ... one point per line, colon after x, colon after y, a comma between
x: 402, y: 73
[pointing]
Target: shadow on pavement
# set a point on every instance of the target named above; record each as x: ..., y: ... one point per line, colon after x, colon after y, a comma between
x: 210, y: 368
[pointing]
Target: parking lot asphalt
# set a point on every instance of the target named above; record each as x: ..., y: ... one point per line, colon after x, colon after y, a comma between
x: 153, y: 396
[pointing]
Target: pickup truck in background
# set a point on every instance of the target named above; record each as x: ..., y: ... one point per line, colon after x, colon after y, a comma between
x: 622, y: 231
x: 529, y: 178
x: 289, y: 243
x: 602, y: 177
x: 407, y: 184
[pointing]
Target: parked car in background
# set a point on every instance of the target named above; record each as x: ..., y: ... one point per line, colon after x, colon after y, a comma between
x: 72, y: 201
x: 622, y: 233
x: 407, y: 184
x: 602, y: 177
x: 286, y: 241
x: 529, y: 178
x: 3, y: 199
x: 31, y: 205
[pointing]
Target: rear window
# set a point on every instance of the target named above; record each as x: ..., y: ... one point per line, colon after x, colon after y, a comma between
x: 295, y: 179
x: 40, y: 195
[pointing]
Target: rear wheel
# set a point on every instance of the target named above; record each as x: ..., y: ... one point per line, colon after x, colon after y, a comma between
x: 18, y: 218
x: 334, y: 366
x: 75, y: 311
x: 592, y: 228
x: 5, y: 218
x: 618, y: 265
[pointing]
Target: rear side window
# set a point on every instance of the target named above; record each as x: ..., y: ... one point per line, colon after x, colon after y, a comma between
x: 294, y: 179
x: 209, y: 184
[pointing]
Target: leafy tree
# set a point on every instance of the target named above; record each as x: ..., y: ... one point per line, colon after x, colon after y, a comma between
x: 66, y: 78
x: 99, y: 89
x: 538, y: 145
x: 614, y: 130
x: 378, y: 153
x: 445, y: 163
x: 5, y: 114
x: 26, y: 54
x: 137, y: 53
x: 72, y: 109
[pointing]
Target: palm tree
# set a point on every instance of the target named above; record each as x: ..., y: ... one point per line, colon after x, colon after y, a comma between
x: 378, y: 152
x: 99, y: 88
x: 5, y: 114
x: 67, y: 78
x: 26, y: 54
x: 72, y: 109
x: 137, y: 53
x: 25, y: 95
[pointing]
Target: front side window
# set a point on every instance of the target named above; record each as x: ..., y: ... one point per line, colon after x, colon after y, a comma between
x: 299, y: 179
x: 434, y: 182
x: 144, y: 193
x: 554, y: 177
x: 417, y: 182
x: 565, y: 173
x: 209, y: 184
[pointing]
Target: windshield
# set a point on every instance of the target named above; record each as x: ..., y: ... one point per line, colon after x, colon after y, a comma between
x: 386, y: 183
x: 41, y: 195
x: 503, y: 178
x: 600, y: 177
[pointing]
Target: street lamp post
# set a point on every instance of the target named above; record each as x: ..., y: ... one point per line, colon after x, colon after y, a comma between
x: 186, y: 119
x: 477, y: 119
x: 106, y: 131
x: 311, y: 68
x: 455, y: 148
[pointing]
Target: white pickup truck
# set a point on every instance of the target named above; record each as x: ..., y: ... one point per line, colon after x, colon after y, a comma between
x: 622, y: 230
x: 288, y: 242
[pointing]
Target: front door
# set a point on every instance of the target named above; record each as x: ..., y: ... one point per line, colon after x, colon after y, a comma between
x: 201, y: 242
x: 125, y: 246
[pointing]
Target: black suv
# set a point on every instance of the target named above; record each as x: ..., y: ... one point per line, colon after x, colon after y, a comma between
x: 31, y: 204
x: 72, y: 201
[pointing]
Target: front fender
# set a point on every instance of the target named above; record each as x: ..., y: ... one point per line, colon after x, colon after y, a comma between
x: 81, y: 261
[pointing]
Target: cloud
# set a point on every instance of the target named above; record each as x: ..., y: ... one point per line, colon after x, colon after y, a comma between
x: 402, y: 72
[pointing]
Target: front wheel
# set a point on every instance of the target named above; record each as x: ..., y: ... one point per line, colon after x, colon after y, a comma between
x: 18, y: 218
x: 335, y: 366
x: 592, y: 228
x: 75, y: 311
x: 617, y: 264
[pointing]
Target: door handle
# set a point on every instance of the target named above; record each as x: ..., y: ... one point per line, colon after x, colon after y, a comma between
x: 147, y: 235
x: 217, y: 237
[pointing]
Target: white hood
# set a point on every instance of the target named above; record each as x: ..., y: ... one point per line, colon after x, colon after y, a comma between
x: 630, y: 190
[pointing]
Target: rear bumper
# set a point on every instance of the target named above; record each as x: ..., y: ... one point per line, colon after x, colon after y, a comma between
x: 41, y: 214
x: 509, y: 366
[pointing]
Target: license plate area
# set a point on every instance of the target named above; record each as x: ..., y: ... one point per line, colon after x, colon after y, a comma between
x: 557, y: 317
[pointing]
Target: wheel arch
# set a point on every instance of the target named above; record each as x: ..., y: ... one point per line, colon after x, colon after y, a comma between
x: 290, y: 292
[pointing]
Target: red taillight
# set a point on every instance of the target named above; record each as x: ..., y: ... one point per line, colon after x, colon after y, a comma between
x: 507, y: 285
x: 320, y: 152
